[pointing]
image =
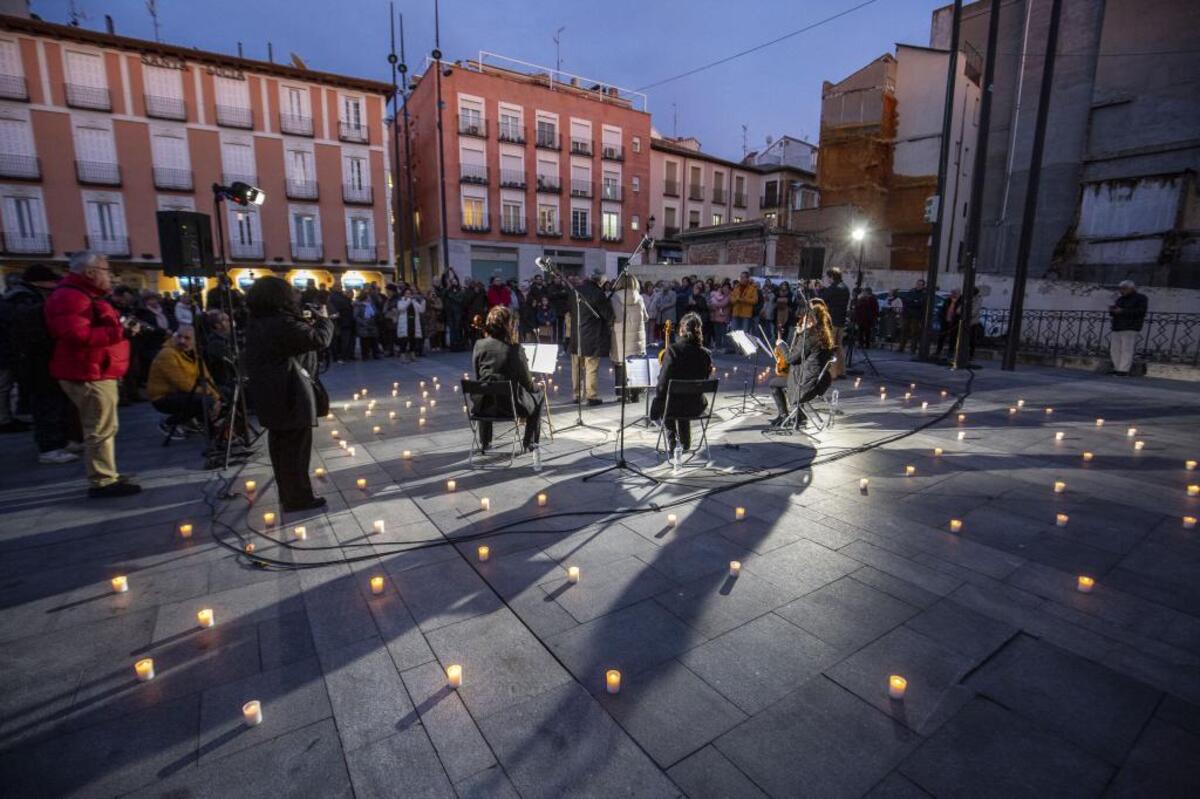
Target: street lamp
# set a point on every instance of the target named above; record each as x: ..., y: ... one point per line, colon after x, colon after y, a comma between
x: 859, y: 233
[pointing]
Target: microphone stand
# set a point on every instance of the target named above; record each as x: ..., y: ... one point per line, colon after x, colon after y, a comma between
x: 577, y: 380
x: 621, y: 463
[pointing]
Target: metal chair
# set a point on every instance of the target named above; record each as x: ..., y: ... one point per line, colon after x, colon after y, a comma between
x: 500, y: 391
x: 820, y: 411
x: 677, y: 389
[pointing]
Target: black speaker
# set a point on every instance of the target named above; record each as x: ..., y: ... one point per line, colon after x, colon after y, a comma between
x: 186, y: 243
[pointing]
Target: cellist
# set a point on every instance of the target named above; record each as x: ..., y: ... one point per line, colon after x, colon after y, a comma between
x: 800, y: 368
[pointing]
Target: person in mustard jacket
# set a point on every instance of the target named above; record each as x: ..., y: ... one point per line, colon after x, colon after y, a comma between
x: 742, y: 302
x: 169, y: 386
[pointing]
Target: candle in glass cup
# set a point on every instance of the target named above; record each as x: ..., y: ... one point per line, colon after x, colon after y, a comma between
x: 454, y: 675
x: 1061, y: 519
x: 961, y: 435
x: 1049, y: 411
x: 353, y: 451
x: 205, y: 618
x: 377, y: 585
x: 408, y: 403
x: 924, y: 405
x: 451, y: 485
x: 1189, y: 465
x: 392, y: 415
x: 250, y: 486
x: 252, y: 713
x: 1060, y: 435
x: 421, y: 422
x: 1087, y: 457
x: 144, y: 669
x: 361, y: 483
x: 185, y: 530
x: 1059, y: 486
x: 735, y: 568
x: 120, y: 584
x: 1099, y: 422
x: 1131, y: 432
x: 612, y: 681
x: 897, y: 686
x: 268, y: 518
x: 376, y: 429
x: 1085, y: 584
x: 962, y: 417
x: 485, y: 504
x: 910, y: 470
x: 1193, y: 490
x: 1189, y: 522
x: 1139, y: 445
x: 319, y: 471
x: 484, y: 552
x: 573, y: 574
x: 937, y: 452
x: 672, y: 520
x: 863, y: 483
x: 406, y: 454
x: 378, y: 526
x: 1020, y: 403
x: 739, y: 513
x: 301, y: 533
x: 542, y: 499
x: 956, y: 525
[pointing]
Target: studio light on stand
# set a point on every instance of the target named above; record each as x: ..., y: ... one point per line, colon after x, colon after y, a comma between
x: 858, y: 234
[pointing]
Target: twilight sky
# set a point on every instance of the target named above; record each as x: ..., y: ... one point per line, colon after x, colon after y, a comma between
x: 631, y: 43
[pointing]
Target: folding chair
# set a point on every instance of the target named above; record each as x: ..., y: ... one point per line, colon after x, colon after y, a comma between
x: 820, y: 410
x: 500, y: 391
x: 677, y: 389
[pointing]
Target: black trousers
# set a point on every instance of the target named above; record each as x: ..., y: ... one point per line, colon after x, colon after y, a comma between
x: 779, y: 394
x: 290, y: 454
x: 55, y: 419
x: 679, y: 430
x: 182, y: 406
x: 345, y: 343
x: 533, y: 426
x: 950, y: 332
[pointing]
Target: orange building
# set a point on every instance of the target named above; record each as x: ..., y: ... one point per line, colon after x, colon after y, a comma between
x: 98, y: 132
x: 536, y: 163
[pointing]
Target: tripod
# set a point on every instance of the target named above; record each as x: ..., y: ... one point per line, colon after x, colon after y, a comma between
x: 547, y: 266
x: 626, y: 279
x: 852, y: 324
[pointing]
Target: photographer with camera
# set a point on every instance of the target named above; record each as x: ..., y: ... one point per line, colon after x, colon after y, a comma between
x: 281, y: 366
x: 91, y: 353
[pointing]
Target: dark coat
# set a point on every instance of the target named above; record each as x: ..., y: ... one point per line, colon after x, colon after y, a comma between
x: 495, y: 361
x: 685, y: 360
x: 275, y: 346
x: 1130, y: 312
x: 342, y: 305
x: 837, y: 299
x: 805, y: 378
x: 591, y: 335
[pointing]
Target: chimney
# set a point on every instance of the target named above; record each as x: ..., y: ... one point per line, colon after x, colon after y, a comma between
x: 108, y: 24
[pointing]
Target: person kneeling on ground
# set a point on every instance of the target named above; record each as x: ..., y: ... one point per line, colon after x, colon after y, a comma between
x: 172, y: 386
x: 499, y: 357
x: 807, y: 377
x: 686, y: 359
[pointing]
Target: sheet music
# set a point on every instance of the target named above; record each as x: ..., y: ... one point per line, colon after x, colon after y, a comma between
x: 542, y: 358
x: 642, y: 372
x: 744, y: 342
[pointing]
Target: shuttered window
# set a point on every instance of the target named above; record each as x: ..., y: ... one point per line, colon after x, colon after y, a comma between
x: 85, y: 69
x: 95, y: 145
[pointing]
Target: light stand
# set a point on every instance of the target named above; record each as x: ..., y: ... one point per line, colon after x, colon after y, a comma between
x: 860, y: 235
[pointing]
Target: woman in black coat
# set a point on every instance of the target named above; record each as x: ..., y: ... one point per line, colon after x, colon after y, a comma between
x: 807, y: 377
x: 498, y: 357
x: 686, y: 359
x: 280, y: 358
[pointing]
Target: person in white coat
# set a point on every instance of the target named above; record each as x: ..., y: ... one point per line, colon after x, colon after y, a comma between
x: 628, y: 337
x: 410, y: 308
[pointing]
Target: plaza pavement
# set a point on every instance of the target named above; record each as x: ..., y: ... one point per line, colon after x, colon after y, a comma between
x: 774, y: 683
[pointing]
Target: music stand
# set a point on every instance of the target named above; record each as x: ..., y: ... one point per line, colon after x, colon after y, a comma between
x: 542, y: 360
x: 642, y: 373
x: 749, y: 346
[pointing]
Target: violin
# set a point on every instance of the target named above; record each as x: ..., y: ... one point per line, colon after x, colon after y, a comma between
x: 666, y: 340
x: 781, y: 361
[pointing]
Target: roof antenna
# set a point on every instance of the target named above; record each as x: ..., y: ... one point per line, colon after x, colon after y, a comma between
x: 745, y: 141
x: 558, y: 49
x: 152, y: 8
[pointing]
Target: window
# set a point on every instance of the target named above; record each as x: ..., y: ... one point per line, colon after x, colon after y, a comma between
x: 693, y: 219
x: 237, y: 162
x: 547, y: 133
x: 300, y: 167
x: 357, y: 174
x: 244, y: 227
x: 169, y: 149
x: 474, y: 214
x: 635, y: 223
x: 95, y: 145
x: 232, y: 93
x: 739, y: 219
x: 470, y: 117
x: 635, y: 183
x: 669, y: 218
x: 86, y: 70
x: 358, y: 232
x: 610, y: 225
x: 612, y: 186
x: 18, y: 159
x: 294, y: 114
x: 12, y: 72
x: 352, y: 113
x: 24, y: 218
x: 295, y: 100
x: 105, y: 221
x: 636, y: 143
x: 512, y: 215
x: 579, y: 223
x: 510, y: 125
x: 717, y: 219
x: 548, y: 219
x: 164, y: 93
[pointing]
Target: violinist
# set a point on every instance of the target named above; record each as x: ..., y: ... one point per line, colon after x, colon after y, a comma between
x: 800, y: 367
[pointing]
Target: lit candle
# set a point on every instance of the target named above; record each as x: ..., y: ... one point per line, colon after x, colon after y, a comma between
x: 1193, y: 490
x: 735, y: 568
x: 573, y: 574
x: 204, y: 617
x: 391, y: 415
x: 612, y: 681
x: 1011, y: 411
x: 739, y: 513
x: 454, y: 675
x: 1061, y: 519
x: 301, y: 533
x: 484, y: 552
x: 421, y: 422
x: 185, y: 530
x: 962, y: 417
x: 319, y: 471
x: 329, y: 415
x: 924, y: 405
x: 376, y: 429
x: 250, y: 486
x: 396, y: 384
x: 362, y: 391
x: 542, y: 499
x: 355, y: 397
x: 863, y: 483
x: 1099, y: 423
x: 406, y: 454
x: 897, y: 685
x: 1087, y: 457
x: 962, y: 434
x: 249, y: 548
x: 451, y: 485
x: 912, y: 386
x: 1131, y: 432
x: 485, y: 504
x: 907, y: 395
x: 1049, y: 411
x: 144, y: 669
x: 1139, y: 445
x: 120, y: 584
x: 1059, y: 486
x: 944, y: 392
x: 421, y: 411
x: 1020, y: 403
x: 353, y: 451
x: 268, y: 518
x: 857, y: 382
x: 433, y: 403
x: 346, y: 406
x: 395, y: 393
x: 361, y: 483
x: 424, y: 395
x: 379, y: 525
x: 367, y: 413
x: 882, y: 397
x: 883, y: 389
x: 408, y: 403
x: 342, y: 445
x: 672, y: 520
x: 1189, y: 522
x: 376, y: 585
x: 421, y: 384
x: 1085, y: 584
x: 1189, y: 465
x: 956, y: 525
x: 252, y: 713
x: 910, y: 470
x: 334, y: 433
x: 1059, y: 436
x: 937, y: 451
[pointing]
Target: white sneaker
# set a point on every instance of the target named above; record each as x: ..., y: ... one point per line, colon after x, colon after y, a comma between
x: 57, y: 456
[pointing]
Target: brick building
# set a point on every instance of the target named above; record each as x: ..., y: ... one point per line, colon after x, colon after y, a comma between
x: 99, y: 132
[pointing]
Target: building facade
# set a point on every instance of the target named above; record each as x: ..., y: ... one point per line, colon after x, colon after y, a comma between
x: 535, y: 163
x: 99, y: 132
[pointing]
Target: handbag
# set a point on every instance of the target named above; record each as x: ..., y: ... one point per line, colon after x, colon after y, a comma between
x: 319, y: 392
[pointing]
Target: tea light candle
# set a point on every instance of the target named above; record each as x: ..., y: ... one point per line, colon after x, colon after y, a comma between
x: 956, y: 525
x: 1085, y: 584
x: 910, y: 470
x: 376, y: 429
x: 249, y: 548
x: 204, y: 617
x: 421, y: 384
x: 1189, y: 465
x: 924, y: 406
x: 421, y: 422
x: 395, y: 393
x: 424, y: 395
x: 1059, y: 486
x: 1011, y: 411
x: 319, y: 471
x: 1131, y: 432
x: 944, y: 392
x: 1139, y: 445
x: 368, y: 412
x: 863, y: 483
x: 857, y: 382
x: 1059, y: 436
x: 897, y: 685
x: 883, y: 389
x: 572, y: 574
x: 352, y: 450
x: 379, y: 525
x: 672, y: 520
x: 1020, y: 403
x: 1189, y: 522
x: 354, y: 396
x: 250, y: 486
x: 882, y: 397
x: 907, y: 395
x: 542, y: 499
x: 185, y: 530
x: 392, y: 415
x: 396, y: 384
x: 1049, y: 411
x: 377, y: 585
x: 484, y: 552
x: 120, y: 584
x: 485, y: 504
x: 739, y: 513
x: 252, y: 713
x: 408, y: 403
x: 937, y: 452
x: 433, y: 403
x: 345, y: 406
x: 301, y: 533
x: 735, y: 568
x: 961, y: 435
x: 1061, y: 519
x: 342, y: 445
x: 962, y: 417
x: 361, y: 483
x: 454, y: 675
x: 1099, y: 423
x: 269, y: 518
x: 144, y: 669
x: 421, y: 411
x: 1193, y: 490
x: 612, y: 681
x: 362, y: 391
x: 1087, y: 457
x: 451, y: 485
x: 406, y: 454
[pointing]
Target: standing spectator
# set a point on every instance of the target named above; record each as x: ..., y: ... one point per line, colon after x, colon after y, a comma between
x: 628, y: 330
x: 766, y: 312
x: 9, y: 423
x: 387, y: 322
x: 477, y: 308
x: 410, y: 308
x: 309, y: 295
x: 173, y: 389
x: 913, y: 316
x: 697, y: 303
x: 453, y: 303
x: 1128, y: 313
x: 91, y: 353
x: 156, y: 328
x: 895, y: 315
x: 866, y: 312
x: 743, y: 301
x: 560, y: 301
x: 837, y: 300
x: 950, y: 316
x: 341, y: 311
x: 498, y: 294
x: 435, y: 313
x: 547, y: 320
x: 662, y: 310
x: 718, y: 309
x: 366, y: 324
x: 782, y: 313
x: 590, y: 338
x: 185, y: 310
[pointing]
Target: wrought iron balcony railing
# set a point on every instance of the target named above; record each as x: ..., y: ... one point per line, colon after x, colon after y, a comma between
x: 549, y: 184
x: 353, y: 132
x: 113, y: 246
x: 671, y: 188
x: 611, y: 191
x: 612, y: 152
x: 512, y: 178
x: 549, y: 229
x: 548, y: 140
x: 472, y: 126
x: 234, y: 116
x: 739, y: 199
x: 165, y: 107
x: 14, y: 87
x: 28, y: 244
x: 512, y: 133
x: 170, y: 178
x: 94, y: 97
x: 581, y: 188
x: 360, y: 255
x: 246, y: 249
x: 473, y: 173
x: 364, y: 195
x: 479, y: 225
x: 296, y: 124
x: 696, y: 191
x: 308, y: 252
x: 581, y: 146
x: 20, y: 166
x: 97, y: 173
x: 513, y: 225
x: 301, y: 189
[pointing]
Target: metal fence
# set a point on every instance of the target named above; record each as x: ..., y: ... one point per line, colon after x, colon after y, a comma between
x: 1164, y: 338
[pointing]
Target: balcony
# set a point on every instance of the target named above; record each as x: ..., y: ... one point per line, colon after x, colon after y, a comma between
x: 739, y: 199
x: 480, y: 224
x: 239, y: 177
x: 512, y: 179
x: 473, y: 173
x: 300, y: 189
x: 20, y: 166
x: 671, y: 188
x: 28, y: 244
x: 581, y: 146
x: 549, y: 230
x: 13, y: 87
x: 472, y: 126
x: 233, y: 116
x: 112, y: 246
x: 359, y: 195
x: 296, y: 124
x: 93, y: 97
x: 611, y: 236
x: 248, y: 250
x: 549, y: 184
x: 512, y: 133
x: 769, y: 201
x: 308, y: 252
x: 513, y: 225
x: 548, y: 140
x: 97, y: 173
x: 581, y: 233
x: 581, y: 188
x: 719, y: 196
x: 360, y: 255
x: 670, y: 232
x: 170, y: 178
x: 611, y: 191
x: 612, y: 152
x: 165, y: 107
x: 352, y: 132
x: 696, y: 191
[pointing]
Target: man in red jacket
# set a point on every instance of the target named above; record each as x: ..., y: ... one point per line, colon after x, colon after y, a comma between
x: 91, y: 353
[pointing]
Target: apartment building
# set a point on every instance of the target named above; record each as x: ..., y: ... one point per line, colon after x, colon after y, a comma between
x: 98, y: 132
x: 535, y: 163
